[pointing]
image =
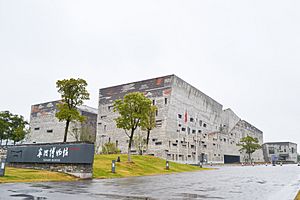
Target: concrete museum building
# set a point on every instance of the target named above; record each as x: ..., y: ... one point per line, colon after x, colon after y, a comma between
x: 189, y: 124
x: 45, y: 127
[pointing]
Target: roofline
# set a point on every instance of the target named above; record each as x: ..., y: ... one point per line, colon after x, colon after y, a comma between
x: 280, y: 143
x: 172, y: 75
x: 46, y: 102
x: 252, y: 125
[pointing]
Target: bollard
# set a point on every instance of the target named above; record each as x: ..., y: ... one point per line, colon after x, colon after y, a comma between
x: 113, y: 166
x: 118, y: 159
x: 2, y: 167
x: 167, y: 165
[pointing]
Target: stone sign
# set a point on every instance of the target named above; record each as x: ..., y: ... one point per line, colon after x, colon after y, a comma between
x: 51, y: 153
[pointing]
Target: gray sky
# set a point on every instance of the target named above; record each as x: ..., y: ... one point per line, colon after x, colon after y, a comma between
x: 244, y: 54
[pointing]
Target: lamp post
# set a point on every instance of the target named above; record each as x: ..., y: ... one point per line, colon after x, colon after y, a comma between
x: 113, y: 166
x: 167, y: 165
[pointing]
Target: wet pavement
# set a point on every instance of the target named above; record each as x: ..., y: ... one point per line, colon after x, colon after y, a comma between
x: 229, y: 182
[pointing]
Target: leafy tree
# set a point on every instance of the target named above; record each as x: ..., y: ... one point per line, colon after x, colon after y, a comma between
x: 249, y: 145
x: 73, y: 93
x: 139, y: 143
x: 110, y: 148
x: 18, y: 128
x: 133, y: 110
x: 149, y: 122
x: 4, y: 125
x: 12, y: 127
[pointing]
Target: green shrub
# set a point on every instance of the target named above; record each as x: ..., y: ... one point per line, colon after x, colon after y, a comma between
x: 110, y: 148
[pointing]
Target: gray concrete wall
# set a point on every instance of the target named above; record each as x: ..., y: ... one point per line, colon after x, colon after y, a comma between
x: 45, y: 127
x: 158, y: 90
x: 284, y: 151
x: 189, y: 123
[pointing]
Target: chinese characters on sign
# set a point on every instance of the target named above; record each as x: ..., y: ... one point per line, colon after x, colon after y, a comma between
x: 53, y: 153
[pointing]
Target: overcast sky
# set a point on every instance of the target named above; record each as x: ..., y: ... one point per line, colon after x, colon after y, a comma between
x: 244, y: 54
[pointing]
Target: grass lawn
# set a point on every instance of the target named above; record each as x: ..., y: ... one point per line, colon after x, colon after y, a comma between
x: 141, y: 166
x: 32, y: 175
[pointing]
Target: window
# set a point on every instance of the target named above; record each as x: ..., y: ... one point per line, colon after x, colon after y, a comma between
x: 108, y: 140
x: 153, y: 102
x: 199, y: 131
x: 158, y: 143
x: 154, y: 139
x: 193, y: 131
x: 191, y: 119
x: 204, y: 125
x: 166, y: 101
x: 104, y: 128
x: 37, y: 128
x: 179, y: 116
x: 158, y: 123
x: 110, y: 108
x: 117, y: 142
x: 156, y: 112
x: 103, y: 117
x: 50, y: 131
x: 183, y: 129
x: 271, y: 150
x: 200, y: 122
x: 293, y: 150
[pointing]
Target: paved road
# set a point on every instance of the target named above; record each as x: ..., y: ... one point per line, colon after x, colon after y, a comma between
x: 230, y: 182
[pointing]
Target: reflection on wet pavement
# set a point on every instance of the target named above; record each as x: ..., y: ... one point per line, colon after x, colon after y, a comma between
x: 234, y: 183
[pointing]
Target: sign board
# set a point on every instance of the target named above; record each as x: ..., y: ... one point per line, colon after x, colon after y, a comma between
x: 51, y: 153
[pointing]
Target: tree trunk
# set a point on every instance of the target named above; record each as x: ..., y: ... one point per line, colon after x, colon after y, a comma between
x: 250, y: 161
x: 66, y: 130
x: 129, y: 145
x: 148, y: 136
